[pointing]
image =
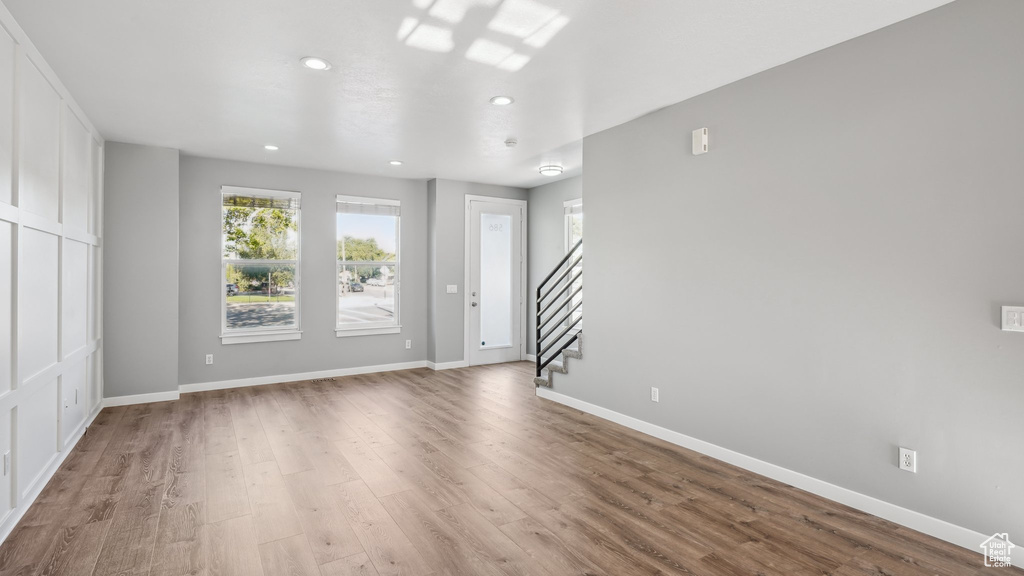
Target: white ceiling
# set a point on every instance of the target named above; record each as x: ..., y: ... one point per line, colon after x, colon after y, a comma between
x: 412, y: 78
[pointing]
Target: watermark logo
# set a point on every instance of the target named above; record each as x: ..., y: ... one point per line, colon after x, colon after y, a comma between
x: 997, y: 550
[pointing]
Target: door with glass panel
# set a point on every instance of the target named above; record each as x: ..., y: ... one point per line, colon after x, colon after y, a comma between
x: 495, y: 300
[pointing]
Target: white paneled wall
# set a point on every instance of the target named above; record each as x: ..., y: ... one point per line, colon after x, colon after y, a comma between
x: 51, y: 160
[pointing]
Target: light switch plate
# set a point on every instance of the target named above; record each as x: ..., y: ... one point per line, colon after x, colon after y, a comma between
x: 1013, y: 318
x: 453, y: 288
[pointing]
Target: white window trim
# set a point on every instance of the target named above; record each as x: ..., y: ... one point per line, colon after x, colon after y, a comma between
x: 261, y: 336
x: 349, y: 332
x: 254, y: 335
x: 374, y: 328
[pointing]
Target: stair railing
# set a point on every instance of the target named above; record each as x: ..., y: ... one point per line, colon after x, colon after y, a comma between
x: 567, y: 274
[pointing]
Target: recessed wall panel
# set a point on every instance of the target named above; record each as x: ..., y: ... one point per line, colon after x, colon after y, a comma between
x: 95, y: 212
x: 6, y: 115
x: 75, y: 310
x: 37, y: 302
x: 6, y: 433
x: 74, y: 397
x: 37, y: 434
x: 39, y: 137
x: 6, y: 304
x: 95, y: 393
x: 77, y: 172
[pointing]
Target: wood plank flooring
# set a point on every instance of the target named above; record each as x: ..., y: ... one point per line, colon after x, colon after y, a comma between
x: 420, y: 473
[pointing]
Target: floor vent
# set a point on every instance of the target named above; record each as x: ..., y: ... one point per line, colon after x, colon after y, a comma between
x: 323, y: 380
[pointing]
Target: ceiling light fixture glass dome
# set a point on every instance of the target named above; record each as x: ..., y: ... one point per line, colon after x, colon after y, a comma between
x: 551, y: 170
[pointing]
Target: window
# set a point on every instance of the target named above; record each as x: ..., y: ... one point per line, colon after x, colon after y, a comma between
x: 573, y: 222
x: 574, y: 233
x: 260, y: 265
x: 368, y: 266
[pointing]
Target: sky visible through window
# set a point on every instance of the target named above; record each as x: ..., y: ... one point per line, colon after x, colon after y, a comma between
x: 362, y: 226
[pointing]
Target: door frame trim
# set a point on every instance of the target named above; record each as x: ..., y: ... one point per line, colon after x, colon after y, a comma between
x: 468, y: 239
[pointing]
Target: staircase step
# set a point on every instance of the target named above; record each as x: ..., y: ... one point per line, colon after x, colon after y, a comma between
x: 576, y: 351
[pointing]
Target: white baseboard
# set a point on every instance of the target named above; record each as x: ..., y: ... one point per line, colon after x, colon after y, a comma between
x: 940, y: 529
x: 264, y: 380
x: 278, y: 379
x: 140, y: 399
x: 447, y: 365
x: 531, y: 358
x: 14, y: 516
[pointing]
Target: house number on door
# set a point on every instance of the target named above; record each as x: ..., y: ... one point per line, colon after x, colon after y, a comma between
x: 495, y: 227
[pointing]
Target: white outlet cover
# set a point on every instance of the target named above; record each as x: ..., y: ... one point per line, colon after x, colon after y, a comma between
x: 1013, y: 318
x: 453, y: 288
x: 655, y: 396
x: 908, y: 460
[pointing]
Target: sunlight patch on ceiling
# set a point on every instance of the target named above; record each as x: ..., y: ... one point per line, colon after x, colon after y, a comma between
x: 431, y: 38
x: 541, y: 37
x: 453, y: 11
x: 408, y: 25
x: 521, y: 18
x: 515, y: 31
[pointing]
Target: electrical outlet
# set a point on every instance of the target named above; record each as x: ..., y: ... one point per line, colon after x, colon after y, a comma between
x: 408, y: 344
x: 453, y: 288
x: 654, y: 395
x: 908, y: 460
x: 209, y: 359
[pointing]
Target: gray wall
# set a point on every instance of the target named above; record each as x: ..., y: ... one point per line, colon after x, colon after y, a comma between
x: 140, y: 270
x: 547, y: 239
x: 825, y: 284
x: 319, y: 348
x: 450, y: 267
x: 431, y: 269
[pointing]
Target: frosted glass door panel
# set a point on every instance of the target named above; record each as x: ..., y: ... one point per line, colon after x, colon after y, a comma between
x: 495, y: 280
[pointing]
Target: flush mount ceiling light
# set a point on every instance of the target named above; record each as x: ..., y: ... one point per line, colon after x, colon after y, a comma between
x: 314, y: 63
x: 551, y: 170
x: 395, y: 162
x: 271, y: 148
x: 502, y: 100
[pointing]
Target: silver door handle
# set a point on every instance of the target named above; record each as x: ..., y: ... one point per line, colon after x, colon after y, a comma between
x: 474, y: 304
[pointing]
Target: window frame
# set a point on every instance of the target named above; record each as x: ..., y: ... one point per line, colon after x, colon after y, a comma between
x: 375, y: 328
x: 569, y: 208
x: 261, y: 334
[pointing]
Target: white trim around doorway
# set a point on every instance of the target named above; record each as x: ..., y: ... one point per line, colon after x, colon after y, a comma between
x: 467, y: 238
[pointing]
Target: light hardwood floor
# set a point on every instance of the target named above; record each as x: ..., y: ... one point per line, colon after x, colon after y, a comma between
x: 463, y: 472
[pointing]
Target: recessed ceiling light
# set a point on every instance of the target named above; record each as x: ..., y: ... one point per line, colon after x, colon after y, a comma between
x: 271, y: 148
x: 314, y: 63
x: 551, y: 170
x: 396, y: 162
x: 502, y: 100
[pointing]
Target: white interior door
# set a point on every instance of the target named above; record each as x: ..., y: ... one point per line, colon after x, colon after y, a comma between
x: 495, y: 302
